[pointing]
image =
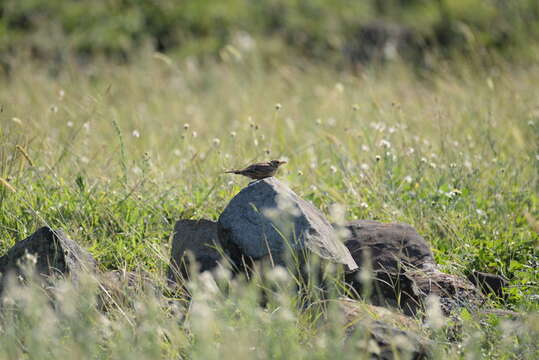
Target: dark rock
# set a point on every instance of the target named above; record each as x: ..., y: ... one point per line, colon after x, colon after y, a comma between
x: 55, y: 255
x: 268, y: 218
x: 489, y: 283
x: 388, y: 247
x: 199, y: 238
x: 391, y: 335
x: 404, y: 273
x: 455, y: 292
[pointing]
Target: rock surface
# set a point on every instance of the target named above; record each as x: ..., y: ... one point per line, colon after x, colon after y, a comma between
x: 55, y: 254
x: 489, y: 283
x: 268, y: 218
x: 389, y: 247
x: 198, y: 237
x: 390, y: 335
x: 404, y: 273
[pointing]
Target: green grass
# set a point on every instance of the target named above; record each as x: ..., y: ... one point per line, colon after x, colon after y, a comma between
x: 114, y: 155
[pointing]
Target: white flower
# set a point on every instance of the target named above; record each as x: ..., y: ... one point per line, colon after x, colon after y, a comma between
x: 186, y: 126
x: 385, y: 144
x: 364, y: 205
x: 278, y: 106
x: 216, y: 142
x: 365, y: 148
x: 70, y: 124
x: 233, y: 134
x: 364, y: 167
x: 136, y: 134
x: 333, y: 169
x: 408, y: 179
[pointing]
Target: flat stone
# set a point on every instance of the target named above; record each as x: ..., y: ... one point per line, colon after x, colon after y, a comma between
x: 55, y: 255
x: 199, y: 238
x: 268, y: 218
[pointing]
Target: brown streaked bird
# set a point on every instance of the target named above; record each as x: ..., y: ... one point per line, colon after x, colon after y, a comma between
x: 259, y: 170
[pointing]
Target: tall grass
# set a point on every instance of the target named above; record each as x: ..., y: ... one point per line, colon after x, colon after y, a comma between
x: 114, y: 155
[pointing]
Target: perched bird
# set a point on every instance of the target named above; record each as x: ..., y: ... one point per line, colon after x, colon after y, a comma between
x: 259, y: 170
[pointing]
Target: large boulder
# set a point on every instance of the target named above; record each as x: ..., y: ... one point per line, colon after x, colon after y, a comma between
x: 268, y: 220
x: 55, y: 254
x: 404, y: 272
x: 196, y: 239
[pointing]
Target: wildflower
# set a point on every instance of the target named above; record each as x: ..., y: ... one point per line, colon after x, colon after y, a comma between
x: 300, y: 173
x: 194, y: 134
x: 378, y: 158
x: 408, y: 179
x: 86, y: 126
x: 333, y: 169
x: 136, y: 134
x: 355, y: 107
x: 364, y: 205
x: 364, y: 167
x: 385, y: 144
x: 70, y: 124
x: 410, y: 151
x: 186, y: 126
x: 278, y: 106
x: 216, y: 142
x: 61, y: 94
x: 365, y: 148
x: 54, y: 108
x: 233, y: 134
x: 177, y: 152
x: 332, y: 121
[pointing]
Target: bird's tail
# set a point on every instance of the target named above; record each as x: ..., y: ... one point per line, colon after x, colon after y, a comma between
x: 232, y: 172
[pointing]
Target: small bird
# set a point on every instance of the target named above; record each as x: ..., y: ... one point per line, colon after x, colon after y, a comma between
x: 259, y: 170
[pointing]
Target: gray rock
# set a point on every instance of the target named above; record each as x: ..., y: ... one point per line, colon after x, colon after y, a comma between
x: 55, y: 255
x: 267, y: 218
x: 404, y: 272
x: 391, y: 335
x: 489, y: 283
x: 198, y: 237
x: 389, y: 247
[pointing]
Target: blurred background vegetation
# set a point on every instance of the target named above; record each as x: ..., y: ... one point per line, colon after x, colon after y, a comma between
x: 337, y: 31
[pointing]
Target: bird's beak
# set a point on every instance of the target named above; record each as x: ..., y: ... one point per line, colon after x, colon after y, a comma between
x: 282, y: 162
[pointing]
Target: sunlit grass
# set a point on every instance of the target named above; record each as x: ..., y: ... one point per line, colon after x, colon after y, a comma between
x: 114, y: 155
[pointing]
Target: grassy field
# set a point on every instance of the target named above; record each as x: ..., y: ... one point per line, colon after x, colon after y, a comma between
x: 114, y: 155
